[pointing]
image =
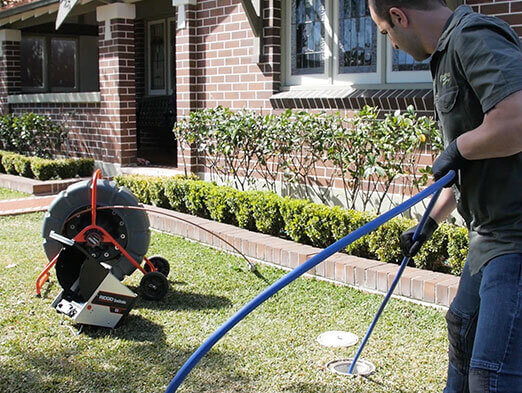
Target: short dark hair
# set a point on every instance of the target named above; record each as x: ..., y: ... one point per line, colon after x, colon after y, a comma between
x: 382, y: 7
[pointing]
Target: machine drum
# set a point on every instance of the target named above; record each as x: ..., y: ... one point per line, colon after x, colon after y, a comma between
x: 130, y: 228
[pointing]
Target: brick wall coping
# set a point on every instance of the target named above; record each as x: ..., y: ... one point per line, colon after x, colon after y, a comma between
x: 418, y: 285
x: 354, y: 99
x: 35, y: 187
x: 87, y: 97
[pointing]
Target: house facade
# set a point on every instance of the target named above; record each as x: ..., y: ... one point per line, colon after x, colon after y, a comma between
x: 119, y: 73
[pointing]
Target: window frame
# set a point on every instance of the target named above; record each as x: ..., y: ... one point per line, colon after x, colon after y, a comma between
x: 76, y: 87
x: 151, y: 91
x: 331, y: 76
x: 44, y: 88
x: 47, y: 39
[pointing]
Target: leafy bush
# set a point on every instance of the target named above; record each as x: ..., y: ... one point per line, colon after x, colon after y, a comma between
x: 219, y: 203
x: 292, y: 211
x: 241, y: 206
x: 2, y: 169
x: 266, y: 211
x: 196, y: 198
x: 22, y: 166
x: 8, y: 162
x: 300, y: 220
x: 365, y: 152
x: 458, y: 243
x: 44, y: 169
x: 31, y: 135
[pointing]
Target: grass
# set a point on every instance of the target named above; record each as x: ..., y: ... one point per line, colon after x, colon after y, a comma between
x: 273, y: 350
x: 6, y: 193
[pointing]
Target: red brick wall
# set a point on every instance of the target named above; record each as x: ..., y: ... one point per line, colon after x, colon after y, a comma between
x: 510, y: 11
x: 9, y: 72
x: 215, y: 56
x: 118, y: 92
x: 81, y: 121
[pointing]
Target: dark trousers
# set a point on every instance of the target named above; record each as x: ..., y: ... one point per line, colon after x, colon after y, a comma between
x: 485, y: 329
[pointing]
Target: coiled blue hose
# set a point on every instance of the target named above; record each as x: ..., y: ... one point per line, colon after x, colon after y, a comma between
x: 297, y: 272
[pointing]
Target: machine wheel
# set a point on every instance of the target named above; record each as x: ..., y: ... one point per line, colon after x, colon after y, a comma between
x: 159, y: 263
x: 129, y: 227
x: 154, y: 286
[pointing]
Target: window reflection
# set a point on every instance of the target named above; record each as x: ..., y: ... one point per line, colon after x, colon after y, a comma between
x: 357, y: 37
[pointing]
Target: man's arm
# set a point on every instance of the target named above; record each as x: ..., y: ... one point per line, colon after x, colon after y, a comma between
x: 499, y: 135
x: 444, y: 205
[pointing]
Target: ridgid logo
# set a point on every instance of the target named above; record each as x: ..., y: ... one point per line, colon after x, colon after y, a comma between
x: 112, y: 300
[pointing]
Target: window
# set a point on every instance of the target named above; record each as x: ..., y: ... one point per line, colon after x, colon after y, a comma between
x: 335, y: 42
x: 32, y: 51
x: 49, y: 64
x: 160, y: 48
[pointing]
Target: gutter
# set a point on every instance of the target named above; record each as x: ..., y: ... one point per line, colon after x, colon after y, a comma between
x: 26, y: 7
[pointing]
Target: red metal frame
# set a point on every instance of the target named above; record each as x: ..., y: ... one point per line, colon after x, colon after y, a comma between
x: 80, y: 238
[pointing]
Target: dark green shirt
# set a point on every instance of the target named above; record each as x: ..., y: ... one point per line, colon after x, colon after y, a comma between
x: 478, y: 63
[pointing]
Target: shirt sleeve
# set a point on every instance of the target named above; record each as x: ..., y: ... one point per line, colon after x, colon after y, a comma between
x: 491, y: 60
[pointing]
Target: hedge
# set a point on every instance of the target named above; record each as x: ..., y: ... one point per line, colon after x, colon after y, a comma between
x: 44, y: 169
x: 299, y: 220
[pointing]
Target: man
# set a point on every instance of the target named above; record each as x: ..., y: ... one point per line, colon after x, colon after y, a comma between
x: 476, y: 64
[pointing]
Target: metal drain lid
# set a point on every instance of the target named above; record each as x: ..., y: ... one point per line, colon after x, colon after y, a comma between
x: 337, y: 339
x: 362, y: 367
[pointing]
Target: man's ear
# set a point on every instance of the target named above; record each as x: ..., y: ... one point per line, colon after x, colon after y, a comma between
x: 398, y: 17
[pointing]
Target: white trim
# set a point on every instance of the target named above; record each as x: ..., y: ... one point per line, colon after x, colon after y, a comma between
x: 115, y: 11
x: 355, y: 77
x: 92, y: 97
x: 402, y: 76
x: 10, y: 35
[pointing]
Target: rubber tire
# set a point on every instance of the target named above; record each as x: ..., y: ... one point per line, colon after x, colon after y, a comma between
x: 159, y: 263
x: 154, y: 286
x: 78, y: 196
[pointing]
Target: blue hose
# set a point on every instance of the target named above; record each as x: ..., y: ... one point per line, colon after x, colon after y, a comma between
x: 403, y: 265
x: 297, y: 272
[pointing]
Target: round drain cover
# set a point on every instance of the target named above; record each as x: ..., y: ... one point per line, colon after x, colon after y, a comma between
x: 337, y: 339
x: 362, y: 367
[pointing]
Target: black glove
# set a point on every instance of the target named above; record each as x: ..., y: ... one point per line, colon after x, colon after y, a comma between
x: 449, y: 159
x: 408, y: 246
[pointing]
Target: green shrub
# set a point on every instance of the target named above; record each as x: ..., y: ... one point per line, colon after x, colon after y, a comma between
x: 157, y: 192
x: 434, y: 255
x: 85, y: 167
x: 44, y: 169
x: 176, y: 192
x: 8, y: 162
x: 360, y: 247
x: 2, y: 169
x: 241, y: 206
x: 31, y: 134
x: 318, y: 224
x: 458, y: 243
x: 22, y: 166
x: 266, y: 211
x: 138, y: 185
x: 295, y: 221
x: 197, y: 192
x: 300, y: 220
x: 219, y: 203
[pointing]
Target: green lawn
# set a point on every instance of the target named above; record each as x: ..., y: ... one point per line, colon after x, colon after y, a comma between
x: 6, y: 193
x: 273, y: 350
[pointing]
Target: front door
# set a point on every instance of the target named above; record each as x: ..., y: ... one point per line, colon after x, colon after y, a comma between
x: 156, y: 111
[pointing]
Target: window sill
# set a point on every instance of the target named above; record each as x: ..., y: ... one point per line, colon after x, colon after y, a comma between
x: 90, y: 97
x: 354, y: 99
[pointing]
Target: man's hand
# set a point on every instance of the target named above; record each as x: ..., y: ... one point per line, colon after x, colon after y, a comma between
x: 449, y: 159
x: 408, y: 246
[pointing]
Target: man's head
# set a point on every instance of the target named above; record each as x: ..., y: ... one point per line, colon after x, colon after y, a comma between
x: 396, y: 19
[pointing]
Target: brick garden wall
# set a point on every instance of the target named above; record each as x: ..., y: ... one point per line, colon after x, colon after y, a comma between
x: 510, y: 11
